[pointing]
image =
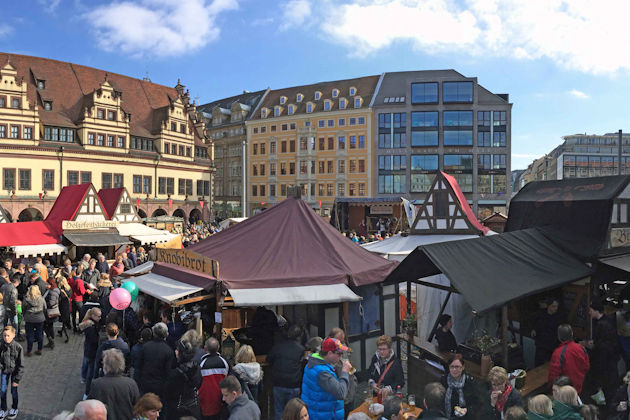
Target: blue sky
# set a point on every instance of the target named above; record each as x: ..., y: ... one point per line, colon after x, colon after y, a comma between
x: 564, y: 63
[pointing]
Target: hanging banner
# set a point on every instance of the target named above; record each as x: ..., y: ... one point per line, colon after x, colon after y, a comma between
x: 170, y: 203
x: 188, y: 259
x: 137, y: 202
x: 201, y: 204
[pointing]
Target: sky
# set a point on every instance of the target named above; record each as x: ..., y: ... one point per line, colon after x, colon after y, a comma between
x: 565, y: 64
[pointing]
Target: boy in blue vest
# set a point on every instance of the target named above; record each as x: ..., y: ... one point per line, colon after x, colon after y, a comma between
x: 322, y: 391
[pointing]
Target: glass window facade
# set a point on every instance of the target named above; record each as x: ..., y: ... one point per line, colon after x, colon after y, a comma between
x: 458, y: 138
x: 424, y: 138
x: 424, y: 93
x: 424, y: 119
x: 424, y: 162
x: 458, y: 118
x: 457, y: 92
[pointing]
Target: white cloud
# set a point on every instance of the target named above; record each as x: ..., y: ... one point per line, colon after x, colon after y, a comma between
x: 157, y: 27
x: 5, y: 29
x: 295, y: 13
x: 262, y: 22
x: 579, y: 35
x: 49, y: 5
x: 578, y: 94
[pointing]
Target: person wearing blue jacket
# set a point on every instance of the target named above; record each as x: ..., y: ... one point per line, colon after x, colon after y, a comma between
x: 323, y: 391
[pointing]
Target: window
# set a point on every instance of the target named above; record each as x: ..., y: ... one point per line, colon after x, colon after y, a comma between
x: 391, y: 184
x: 425, y: 162
x: 3, y: 131
x: 353, y: 142
x: 110, y: 141
x: 341, y: 190
x: 421, y: 182
x: 262, y: 148
x: 262, y: 190
x: 457, y: 92
x: 65, y: 135
x: 106, y: 180
x: 255, y: 148
x: 272, y: 169
x: 320, y: 165
x: 361, y: 120
x: 341, y: 122
x: 283, y: 168
x: 48, y: 179
x: 272, y: 147
x: 321, y: 123
x: 321, y: 143
x: 352, y: 166
x: 331, y: 123
x: 292, y: 146
x: 457, y: 162
x: 8, y: 179
x: 353, y: 91
x: 458, y: 138
x: 3, y: 102
x: 283, y: 99
x: 276, y: 111
x: 272, y: 128
x: 283, y: 190
x: 73, y: 177
x: 170, y: 186
x: 361, y: 142
x: 137, y: 184
x: 303, y: 167
x: 424, y: 93
x: 255, y: 130
x: 298, y: 98
x: 352, y: 189
x: 100, y: 114
x: 498, y: 139
x: 181, y: 186
x: 173, y: 126
x: 15, y: 131
x: 15, y: 102
x: 25, y: 179
x: 283, y: 146
x: 272, y: 190
x: 318, y: 95
x: 341, y: 166
x: 254, y: 190
x: 161, y: 185
x: 353, y: 121
x: 329, y: 167
x: 483, y: 139
x: 140, y: 143
x: 331, y: 143
x: 121, y: 142
x: 309, y: 107
x: 254, y: 170
x: 458, y: 119
x: 263, y: 130
x: 357, y: 102
x: 330, y: 189
x: 100, y: 140
x: 341, y: 141
x: 111, y: 115
x: 189, y: 187
x: 262, y: 169
x: 327, y: 105
x: 181, y: 150
x: 499, y: 118
x: 86, y: 177
x: 342, y: 103
x: 28, y: 133
x: 292, y: 126
x: 303, y: 143
x: 361, y: 166
x: 41, y: 84
x: 47, y: 105
x: 335, y: 93
x: 290, y: 111
x: 291, y: 168
x: 392, y: 163
x: 483, y: 118
x: 118, y: 180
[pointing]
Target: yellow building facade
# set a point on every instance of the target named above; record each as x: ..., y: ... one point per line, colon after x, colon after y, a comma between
x: 315, y: 137
x: 63, y: 124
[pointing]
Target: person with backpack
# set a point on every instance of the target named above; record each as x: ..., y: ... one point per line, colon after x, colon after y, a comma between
x: 568, y: 359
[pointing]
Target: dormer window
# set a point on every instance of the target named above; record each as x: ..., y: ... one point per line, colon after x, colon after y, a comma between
x: 327, y: 105
x: 263, y: 113
x: 342, y: 103
x: 353, y: 91
x: 357, y: 102
x: 318, y: 95
x: 41, y: 84
x: 335, y: 93
x: 283, y: 100
x: 291, y: 109
x: 48, y: 105
x: 309, y: 107
x: 299, y: 97
x: 277, y: 111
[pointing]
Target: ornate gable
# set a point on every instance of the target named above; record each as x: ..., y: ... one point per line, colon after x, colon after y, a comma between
x: 90, y: 208
x: 125, y: 210
x: 443, y: 211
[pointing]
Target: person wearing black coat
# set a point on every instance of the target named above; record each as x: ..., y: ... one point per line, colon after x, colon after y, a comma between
x: 461, y: 391
x: 501, y: 395
x: 89, y: 326
x: 285, y: 359
x: 605, y: 350
x: 545, y: 331
x: 444, y: 334
x: 183, y: 384
x: 618, y: 407
x: 385, y: 368
x: 434, y: 394
x: 65, y: 297
x: 155, y: 361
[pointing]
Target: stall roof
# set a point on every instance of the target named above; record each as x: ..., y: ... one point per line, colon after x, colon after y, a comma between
x: 163, y: 288
x: 288, y: 245
x: 301, y: 295
x: 35, y: 250
x: 95, y: 238
x: 493, y: 270
x: 398, y: 246
x: 143, y: 233
x: 29, y: 233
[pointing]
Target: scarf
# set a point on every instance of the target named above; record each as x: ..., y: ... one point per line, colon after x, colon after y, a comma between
x: 458, y: 385
x: 503, y: 398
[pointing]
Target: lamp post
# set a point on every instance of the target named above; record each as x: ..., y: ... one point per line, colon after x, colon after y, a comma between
x: 60, y: 168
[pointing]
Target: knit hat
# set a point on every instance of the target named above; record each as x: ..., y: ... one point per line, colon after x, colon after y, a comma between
x: 332, y: 344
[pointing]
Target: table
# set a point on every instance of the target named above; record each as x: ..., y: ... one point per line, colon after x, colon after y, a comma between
x: 536, y: 378
x: 364, y: 408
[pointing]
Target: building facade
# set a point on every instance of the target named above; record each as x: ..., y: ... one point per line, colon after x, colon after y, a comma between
x: 225, y: 125
x: 315, y: 137
x: 430, y: 121
x: 65, y: 124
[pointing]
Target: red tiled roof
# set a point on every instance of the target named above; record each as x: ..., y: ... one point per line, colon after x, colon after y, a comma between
x: 110, y: 198
x: 67, y: 84
x: 29, y: 233
x: 67, y: 203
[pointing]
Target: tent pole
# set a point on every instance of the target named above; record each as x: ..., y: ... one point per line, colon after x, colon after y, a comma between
x: 219, y: 309
x: 435, y: 324
x: 504, y: 334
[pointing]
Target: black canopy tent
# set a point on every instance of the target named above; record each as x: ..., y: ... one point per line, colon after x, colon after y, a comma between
x: 491, y: 271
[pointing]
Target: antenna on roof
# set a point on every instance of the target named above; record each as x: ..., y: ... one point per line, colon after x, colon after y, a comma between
x: 146, y: 77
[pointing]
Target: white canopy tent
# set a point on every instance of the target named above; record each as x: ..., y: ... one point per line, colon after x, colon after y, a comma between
x: 26, y: 251
x: 143, y: 233
x: 301, y: 295
x: 163, y: 288
x: 398, y: 246
x: 231, y: 221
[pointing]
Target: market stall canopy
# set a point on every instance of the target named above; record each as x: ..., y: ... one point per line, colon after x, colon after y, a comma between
x: 163, y: 288
x: 493, y: 270
x: 95, y: 238
x: 574, y: 213
x: 302, y: 295
x: 397, y: 247
x: 4, y: 217
x: 29, y: 233
x: 144, y: 233
x: 231, y: 221
x: 289, y: 245
x: 28, y: 251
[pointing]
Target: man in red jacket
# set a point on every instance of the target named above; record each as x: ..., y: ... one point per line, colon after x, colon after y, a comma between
x: 568, y: 359
x: 213, y: 369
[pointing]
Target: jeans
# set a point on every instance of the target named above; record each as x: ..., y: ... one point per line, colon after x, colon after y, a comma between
x: 281, y: 397
x: 87, y: 372
x: 76, y: 308
x: 6, y: 381
x: 34, y: 330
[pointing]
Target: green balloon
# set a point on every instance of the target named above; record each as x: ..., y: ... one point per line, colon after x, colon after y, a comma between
x: 132, y: 288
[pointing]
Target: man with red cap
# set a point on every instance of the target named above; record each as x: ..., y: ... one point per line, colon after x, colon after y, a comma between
x: 322, y: 391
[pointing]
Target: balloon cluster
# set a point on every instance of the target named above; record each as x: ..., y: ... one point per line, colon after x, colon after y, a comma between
x: 122, y: 297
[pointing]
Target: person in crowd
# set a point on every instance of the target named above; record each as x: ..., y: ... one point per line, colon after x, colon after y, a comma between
x: 131, y: 323
x: 385, y: 369
x: 36, y: 279
x: 90, y: 275
x: 131, y: 255
x: 2, y: 313
x: 89, y: 327
x: 113, y: 341
x: 118, y: 392
x: 239, y: 405
x: 348, y: 403
x: 618, y: 406
x: 540, y: 407
x: 101, y: 264
x: 148, y: 407
x: 50, y: 268
x: 103, y: 288
x: 8, y: 267
x: 196, y: 341
x: 145, y: 336
x: 214, y: 369
x: 85, y: 261
x: 176, y: 327
x: 78, y: 291
x: 322, y: 391
x: 589, y: 412
x: 22, y: 276
x: 462, y: 391
x: 52, y: 302
x: 502, y: 395
x: 42, y: 271
x: 67, y: 268
x: 248, y: 372
x: 9, y: 299
x: 569, y: 359
x: 117, y: 268
x: 142, y: 256
x: 444, y: 335
x: 89, y: 302
x: 545, y: 331
x: 313, y: 345
x: 515, y: 413
x: 434, y: 394
x: 285, y: 359
x: 566, y: 404
x: 183, y: 383
x: 65, y: 298
x: 155, y: 361
x: 12, y: 365
x: 604, y: 350
x: 128, y: 265
x: 34, y: 315
x: 294, y: 409
x: 90, y: 410
x: 559, y: 383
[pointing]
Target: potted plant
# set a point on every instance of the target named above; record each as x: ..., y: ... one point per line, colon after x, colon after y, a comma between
x: 484, y: 343
x: 410, y: 324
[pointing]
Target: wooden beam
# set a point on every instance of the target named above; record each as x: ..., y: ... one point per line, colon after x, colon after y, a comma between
x: 449, y: 289
x: 504, y: 335
x: 193, y: 299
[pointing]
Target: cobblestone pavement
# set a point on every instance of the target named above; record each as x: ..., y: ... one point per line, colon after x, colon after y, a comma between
x: 52, y: 381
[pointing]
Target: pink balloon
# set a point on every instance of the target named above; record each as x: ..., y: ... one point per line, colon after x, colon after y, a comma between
x: 120, y: 298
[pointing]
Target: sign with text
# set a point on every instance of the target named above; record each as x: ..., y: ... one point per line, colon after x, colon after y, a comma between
x: 188, y: 259
x: 88, y: 224
x: 619, y: 237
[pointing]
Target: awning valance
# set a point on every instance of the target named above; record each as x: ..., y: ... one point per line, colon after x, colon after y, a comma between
x: 144, y: 234
x: 163, y: 288
x: 619, y: 261
x: 95, y: 238
x: 332, y: 293
x: 35, y: 250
